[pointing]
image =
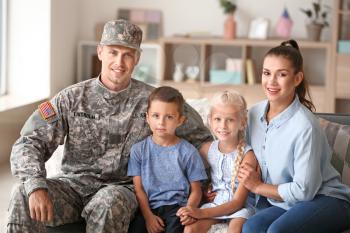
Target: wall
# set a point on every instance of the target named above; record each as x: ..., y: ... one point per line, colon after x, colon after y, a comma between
x: 182, y: 16
x: 64, y: 36
x: 11, y: 122
x: 41, y: 58
x: 43, y: 35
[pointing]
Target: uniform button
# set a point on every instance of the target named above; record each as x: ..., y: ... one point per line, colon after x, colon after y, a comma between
x: 263, y: 147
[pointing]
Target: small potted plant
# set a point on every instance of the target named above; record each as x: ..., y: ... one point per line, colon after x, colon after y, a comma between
x: 229, y: 8
x: 317, y: 20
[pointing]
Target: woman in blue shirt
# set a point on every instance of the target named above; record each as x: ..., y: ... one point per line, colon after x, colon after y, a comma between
x: 297, y: 188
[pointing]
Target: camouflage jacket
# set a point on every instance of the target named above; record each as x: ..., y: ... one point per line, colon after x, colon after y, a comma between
x: 98, y: 128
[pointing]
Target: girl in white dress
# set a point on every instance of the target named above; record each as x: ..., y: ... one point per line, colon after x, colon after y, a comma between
x: 232, y: 203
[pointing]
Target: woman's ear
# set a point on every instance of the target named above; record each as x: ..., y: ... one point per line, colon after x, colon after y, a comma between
x: 299, y: 77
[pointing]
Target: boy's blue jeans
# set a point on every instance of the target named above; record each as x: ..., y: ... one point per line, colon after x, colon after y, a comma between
x: 322, y: 214
x: 167, y: 213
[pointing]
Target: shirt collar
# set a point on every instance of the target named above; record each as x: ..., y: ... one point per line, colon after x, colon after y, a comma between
x: 284, y: 115
x: 109, y: 94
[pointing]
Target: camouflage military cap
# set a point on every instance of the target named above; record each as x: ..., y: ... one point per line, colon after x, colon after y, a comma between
x: 121, y: 32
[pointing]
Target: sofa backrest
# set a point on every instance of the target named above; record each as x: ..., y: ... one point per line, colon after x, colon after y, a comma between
x: 343, y: 119
x: 337, y: 128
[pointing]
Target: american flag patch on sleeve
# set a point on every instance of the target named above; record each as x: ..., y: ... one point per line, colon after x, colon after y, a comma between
x: 46, y: 110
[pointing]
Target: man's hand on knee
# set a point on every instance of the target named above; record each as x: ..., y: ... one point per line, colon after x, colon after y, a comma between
x: 40, y: 206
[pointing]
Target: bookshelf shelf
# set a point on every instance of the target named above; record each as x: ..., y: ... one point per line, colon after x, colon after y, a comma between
x: 211, y: 53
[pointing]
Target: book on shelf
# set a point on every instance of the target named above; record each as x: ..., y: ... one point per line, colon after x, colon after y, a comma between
x: 250, y: 72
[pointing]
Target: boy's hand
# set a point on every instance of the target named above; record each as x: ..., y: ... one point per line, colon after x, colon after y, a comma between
x: 208, y: 194
x: 154, y: 224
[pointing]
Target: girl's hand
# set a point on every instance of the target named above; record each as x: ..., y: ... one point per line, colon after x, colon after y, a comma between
x: 154, y: 224
x: 249, y: 176
x: 189, y: 211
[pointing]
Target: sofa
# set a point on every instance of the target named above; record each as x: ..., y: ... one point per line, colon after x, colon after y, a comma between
x: 337, y: 128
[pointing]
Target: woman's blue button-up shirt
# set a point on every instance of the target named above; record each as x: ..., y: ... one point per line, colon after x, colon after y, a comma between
x: 293, y: 153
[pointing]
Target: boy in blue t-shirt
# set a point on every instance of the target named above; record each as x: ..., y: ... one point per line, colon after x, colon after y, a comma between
x: 166, y: 169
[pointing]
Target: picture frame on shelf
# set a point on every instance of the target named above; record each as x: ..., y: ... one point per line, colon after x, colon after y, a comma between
x: 258, y: 28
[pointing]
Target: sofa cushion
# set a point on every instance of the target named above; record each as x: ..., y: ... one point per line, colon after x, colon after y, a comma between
x: 338, y: 136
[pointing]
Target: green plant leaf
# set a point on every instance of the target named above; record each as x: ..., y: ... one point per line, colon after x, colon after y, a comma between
x: 228, y: 6
x: 307, y: 12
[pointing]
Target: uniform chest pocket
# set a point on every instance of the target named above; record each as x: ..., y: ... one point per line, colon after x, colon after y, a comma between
x: 88, y: 132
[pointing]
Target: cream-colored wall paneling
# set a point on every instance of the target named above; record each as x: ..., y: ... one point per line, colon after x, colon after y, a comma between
x: 343, y: 76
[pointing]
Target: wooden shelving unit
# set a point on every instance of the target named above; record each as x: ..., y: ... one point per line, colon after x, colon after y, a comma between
x: 327, y: 70
x: 341, y: 31
x: 200, y: 52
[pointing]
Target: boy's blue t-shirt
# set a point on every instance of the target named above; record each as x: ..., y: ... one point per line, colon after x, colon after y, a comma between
x: 166, y: 172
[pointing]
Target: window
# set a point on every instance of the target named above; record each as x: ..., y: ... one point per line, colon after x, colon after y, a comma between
x: 3, y: 30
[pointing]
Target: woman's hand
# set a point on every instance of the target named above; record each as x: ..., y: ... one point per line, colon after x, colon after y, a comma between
x: 250, y: 177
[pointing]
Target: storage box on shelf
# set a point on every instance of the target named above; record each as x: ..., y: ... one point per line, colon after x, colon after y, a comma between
x: 210, y: 55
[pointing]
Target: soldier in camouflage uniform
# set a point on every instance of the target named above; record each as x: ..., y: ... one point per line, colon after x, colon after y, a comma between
x: 98, y: 121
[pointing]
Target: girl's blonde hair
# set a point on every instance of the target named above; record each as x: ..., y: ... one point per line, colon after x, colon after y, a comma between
x: 237, y: 101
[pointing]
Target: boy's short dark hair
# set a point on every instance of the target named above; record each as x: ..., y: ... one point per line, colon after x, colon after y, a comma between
x: 169, y: 95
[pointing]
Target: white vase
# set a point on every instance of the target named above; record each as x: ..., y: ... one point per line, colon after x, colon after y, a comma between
x: 178, y: 74
x: 192, y: 73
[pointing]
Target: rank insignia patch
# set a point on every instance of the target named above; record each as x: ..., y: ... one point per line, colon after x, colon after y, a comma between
x: 46, y: 110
